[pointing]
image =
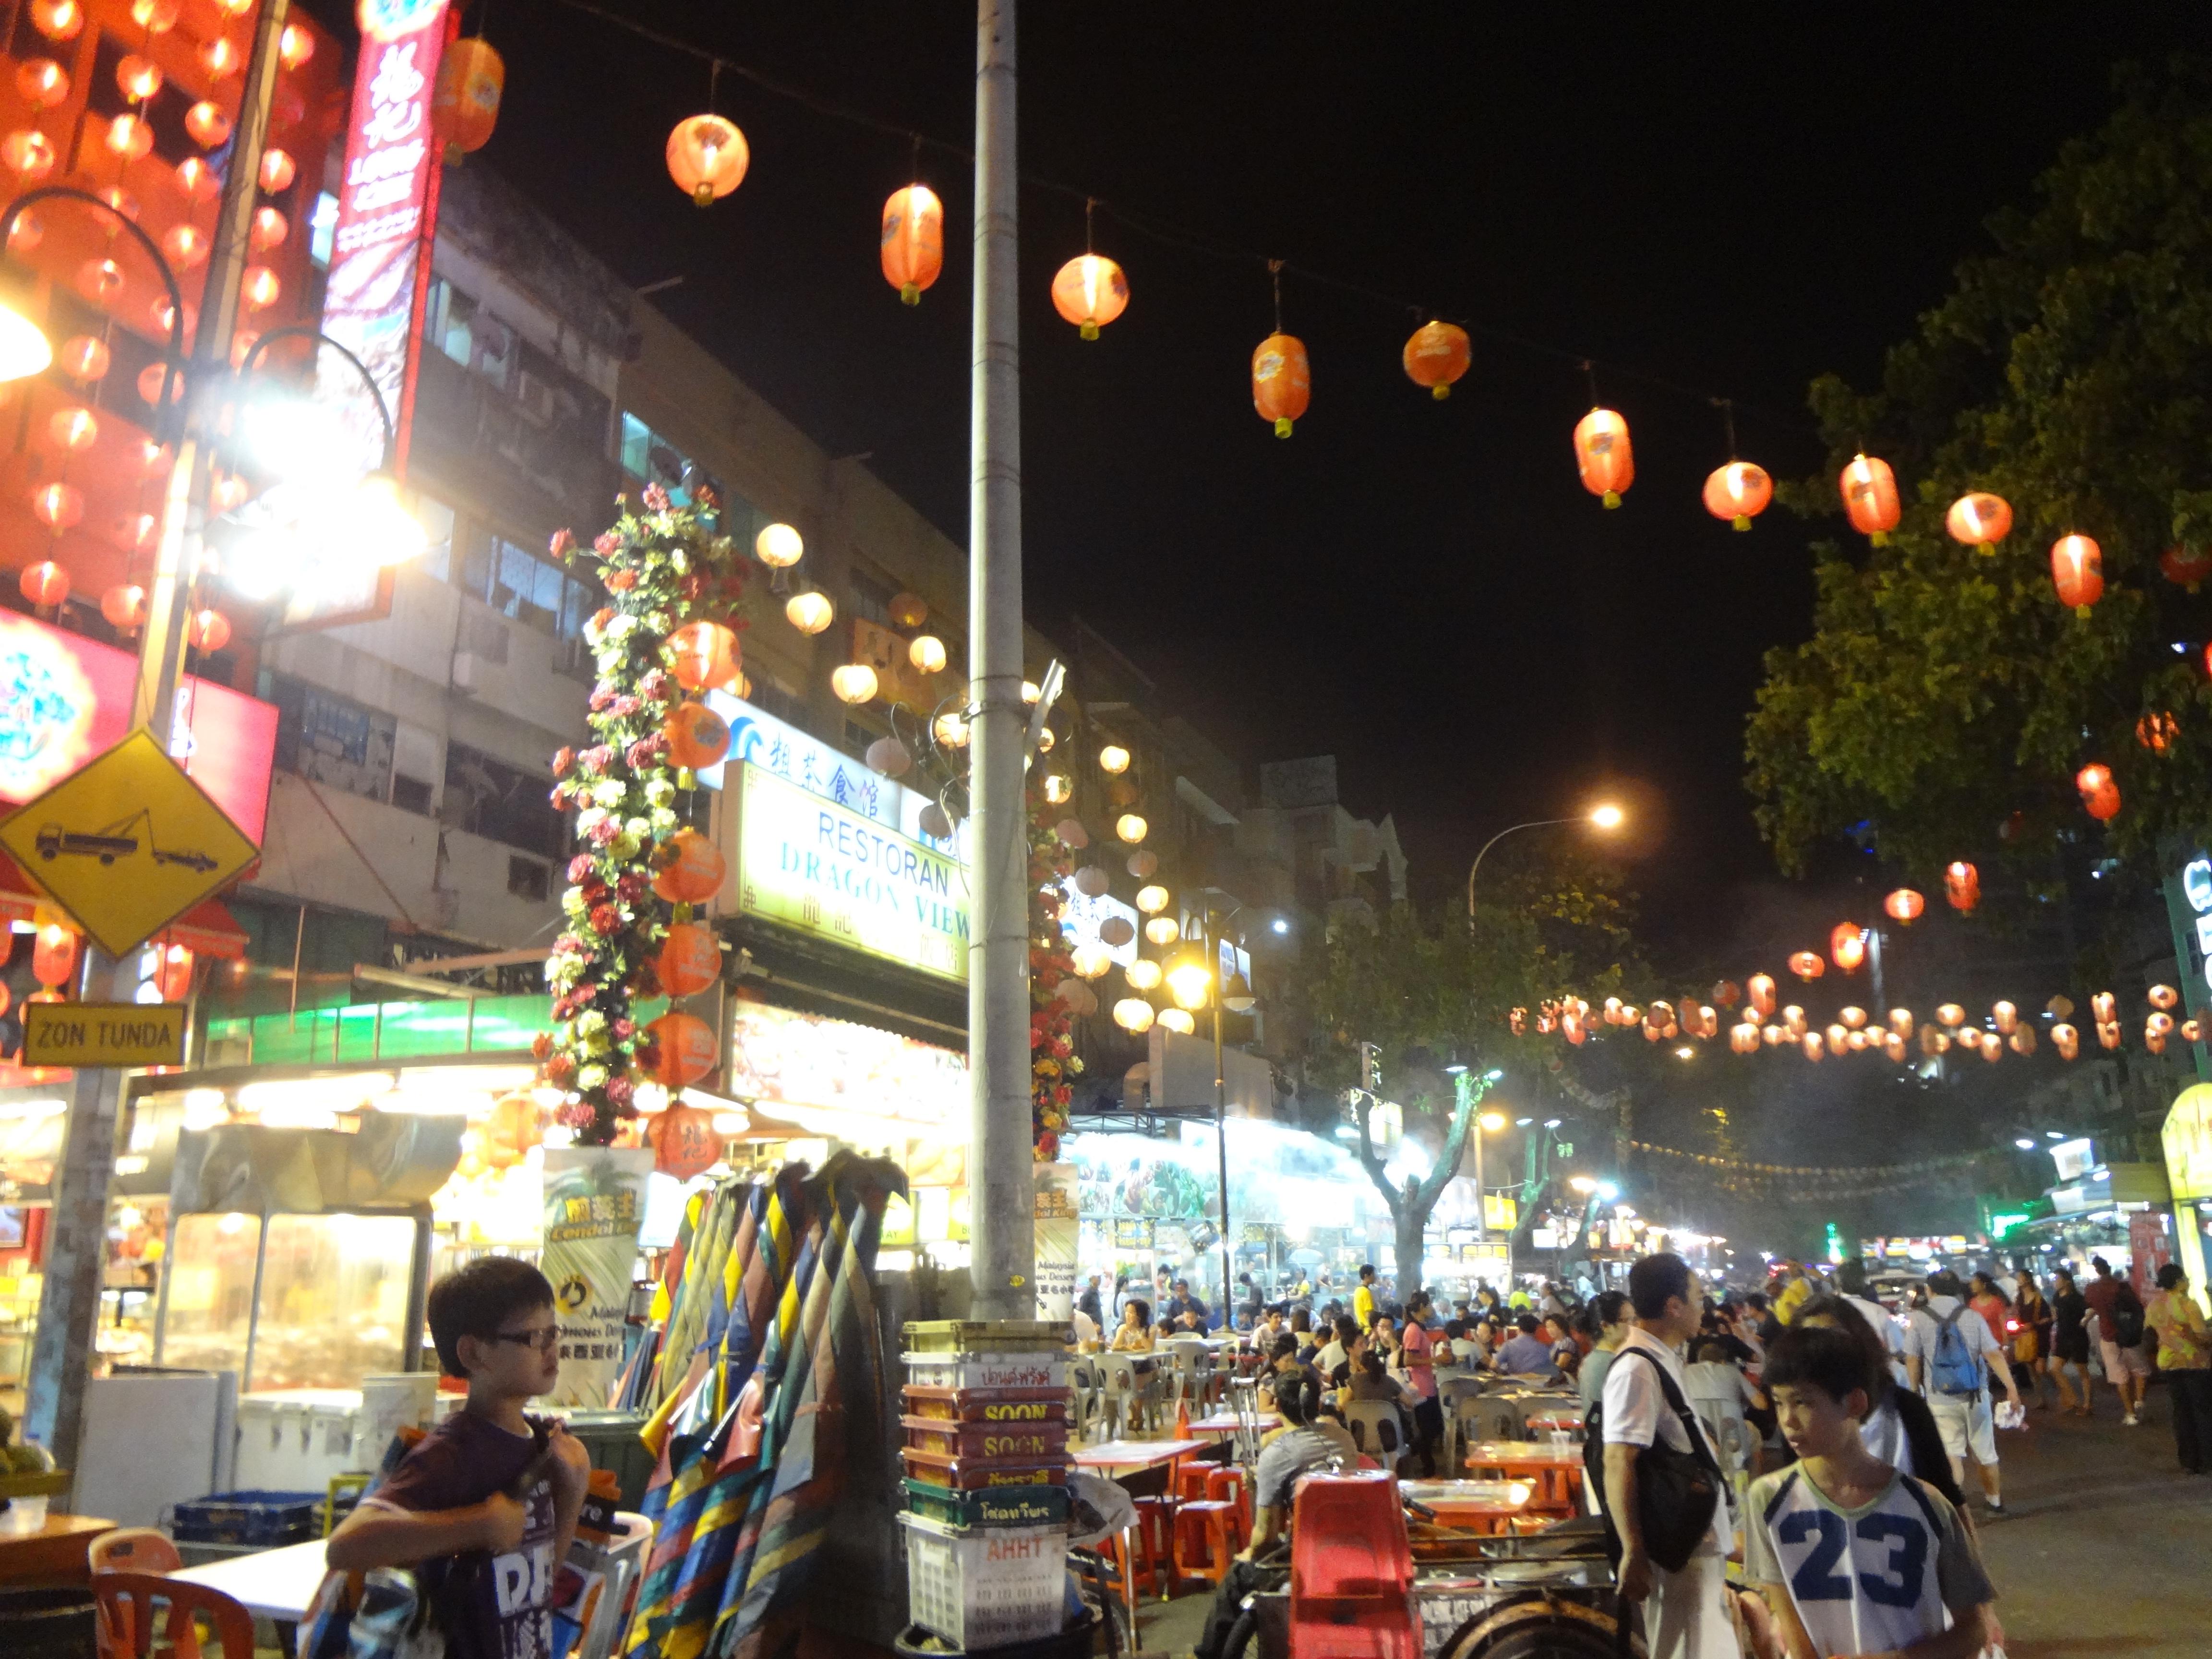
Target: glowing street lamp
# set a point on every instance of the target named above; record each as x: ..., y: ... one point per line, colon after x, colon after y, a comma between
x: 1189, y: 981
x: 1606, y: 816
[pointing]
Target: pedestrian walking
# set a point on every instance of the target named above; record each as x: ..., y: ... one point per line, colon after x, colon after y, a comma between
x: 2031, y: 1342
x: 1644, y: 1409
x: 1851, y: 1283
x: 1417, y: 1359
x: 2185, y: 1354
x: 1952, y: 1354
x: 1609, y: 1317
x: 1363, y: 1299
x: 2119, y: 1330
x: 2070, y: 1342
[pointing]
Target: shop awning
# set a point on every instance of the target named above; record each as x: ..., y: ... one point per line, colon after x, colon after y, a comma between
x: 206, y: 929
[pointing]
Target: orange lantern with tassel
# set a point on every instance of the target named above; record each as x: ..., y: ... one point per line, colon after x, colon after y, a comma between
x: 1436, y: 356
x: 1759, y: 988
x: 690, y: 959
x: 207, y: 629
x: 683, y: 1141
x: 683, y: 1050
x: 1869, y: 493
x: 2185, y: 567
x: 2101, y: 796
x: 1738, y: 492
x: 1090, y: 292
x: 691, y: 869
x: 697, y: 735
x: 1962, y: 886
x: 464, y: 108
x: 1847, y: 945
x: 2077, y: 571
x: 1604, y: 456
x: 913, y: 241
x: 1904, y: 906
x: 53, y: 955
x: 46, y: 583
x: 1282, y: 381
x: 703, y: 656
x: 1807, y: 965
x: 708, y: 157
x: 1979, y: 520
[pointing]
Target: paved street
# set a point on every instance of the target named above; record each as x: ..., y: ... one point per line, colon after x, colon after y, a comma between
x: 2108, y: 1551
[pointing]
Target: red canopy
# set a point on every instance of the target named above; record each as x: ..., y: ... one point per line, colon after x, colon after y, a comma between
x: 206, y: 929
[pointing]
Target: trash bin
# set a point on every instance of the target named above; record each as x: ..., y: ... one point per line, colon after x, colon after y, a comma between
x: 611, y: 1439
x: 46, y: 1623
x: 1073, y: 1642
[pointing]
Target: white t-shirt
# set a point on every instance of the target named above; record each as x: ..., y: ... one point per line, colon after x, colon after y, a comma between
x: 1921, y: 1334
x: 1868, y: 1580
x: 1892, y: 1334
x: 1636, y: 1411
x: 1883, y: 1432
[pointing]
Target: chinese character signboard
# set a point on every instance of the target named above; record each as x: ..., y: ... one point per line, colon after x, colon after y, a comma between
x: 594, y: 1205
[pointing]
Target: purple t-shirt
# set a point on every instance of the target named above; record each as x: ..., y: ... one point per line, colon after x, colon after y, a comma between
x: 495, y: 1607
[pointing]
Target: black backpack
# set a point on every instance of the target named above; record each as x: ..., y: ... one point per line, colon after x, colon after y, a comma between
x: 1677, y: 1493
x: 2127, y: 1318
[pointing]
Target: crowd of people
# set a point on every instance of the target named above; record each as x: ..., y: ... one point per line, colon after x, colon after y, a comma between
x: 1825, y: 1442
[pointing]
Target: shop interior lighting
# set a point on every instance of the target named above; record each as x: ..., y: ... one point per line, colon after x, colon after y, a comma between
x: 204, y: 1109
x: 494, y: 1080
x: 13, y: 1110
x: 287, y: 1104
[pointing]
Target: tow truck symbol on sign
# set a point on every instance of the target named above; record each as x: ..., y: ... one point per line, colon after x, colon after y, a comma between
x: 117, y: 841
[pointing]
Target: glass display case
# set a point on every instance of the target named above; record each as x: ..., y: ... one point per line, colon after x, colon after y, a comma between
x: 292, y: 1301
x: 130, y: 1282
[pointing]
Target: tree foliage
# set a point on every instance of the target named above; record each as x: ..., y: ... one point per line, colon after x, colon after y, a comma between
x: 1946, y: 698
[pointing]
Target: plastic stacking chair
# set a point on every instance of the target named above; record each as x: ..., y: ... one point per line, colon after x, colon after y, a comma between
x: 1377, y: 1429
x: 134, y: 1549
x: 1208, y: 1536
x: 126, y: 1606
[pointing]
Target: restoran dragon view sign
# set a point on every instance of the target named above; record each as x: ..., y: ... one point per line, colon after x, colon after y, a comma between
x: 809, y: 864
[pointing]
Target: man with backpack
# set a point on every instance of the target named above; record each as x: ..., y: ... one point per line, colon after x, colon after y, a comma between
x: 2119, y: 1330
x: 1951, y: 1354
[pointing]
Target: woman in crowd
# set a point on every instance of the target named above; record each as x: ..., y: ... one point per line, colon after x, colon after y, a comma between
x: 2070, y: 1342
x: 1995, y: 1307
x: 2031, y: 1344
x: 1608, y: 1317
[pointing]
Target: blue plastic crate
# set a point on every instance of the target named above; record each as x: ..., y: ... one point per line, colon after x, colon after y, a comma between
x: 265, y: 1518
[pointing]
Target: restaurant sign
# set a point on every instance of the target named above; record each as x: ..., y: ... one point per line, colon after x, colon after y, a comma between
x: 805, y: 862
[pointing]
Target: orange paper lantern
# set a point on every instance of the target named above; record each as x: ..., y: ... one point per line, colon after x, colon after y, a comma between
x: 73, y: 430
x: 708, y: 157
x: 207, y: 630
x: 1604, y: 455
x: 125, y: 607
x: 173, y: 972
x: 207, y: 123
x: 1904, y: 906
x: 57, y: 505
x: 683, y: 1050
x: 29, y: 155
x: 220, y: 57
x: 129, y: 136
x: 1738, y: 492
x: 2077, y: 571
x: 137, y: 77
x: 1869, y: 493
x: 690, y: 959
x: 2100, y: 795
x: 57, y: 19
x: 697, y: 736
x: 1979, y: 520
x: 1436, y: 356
x: 1759, y: 988
x: 270, y: 228
x: 913, y: 251
x: 464, y: 108
x: 277, y: 171
x: 2185, y: 567
x: 43, y: 82
x: 294, y: 46
x: 2157, y: 731
x: 1847, y: 945
x: 1282, y: 381
x: 703, y: 656
x: 691, y: 869
x: 1807, y: 965
x: 45, y: 584
x: 83, y: 357
x: 683, y: 1141
x: 53, y: 954
x: 1089, y: 291
x: 1962, y: 886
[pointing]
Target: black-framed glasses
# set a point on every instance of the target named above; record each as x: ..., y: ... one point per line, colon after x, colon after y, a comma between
x: 542, y: 1338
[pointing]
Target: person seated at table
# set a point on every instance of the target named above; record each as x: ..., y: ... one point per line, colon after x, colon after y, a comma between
x: 1183, y: 1303
x: 1301, y: 1449
x: 1356, y: 1348
x: 1086, y: 1330
x: 1302, y: 1328
x: 1135, y: 1334
x: 1526, y: 1353
x: 1450, y: 1357
x: 1481, y: 1342
x: 1261, y: 1339
x: 1332, y: 1353
x: 1566, y: 1353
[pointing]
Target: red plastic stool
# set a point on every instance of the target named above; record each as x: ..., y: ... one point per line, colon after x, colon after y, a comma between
x: 1225, y: 1485
x: 1155, y: 1544
x: 1191, y: 1478
x: 1208, y: 1539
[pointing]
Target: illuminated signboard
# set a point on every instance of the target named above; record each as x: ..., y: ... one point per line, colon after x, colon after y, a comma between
x: 64, y: 699
x: 810, y: 864
x: 2187, y: 1138
x: 783, y: 1062
x: 760, y: 740
x: 386, y: 213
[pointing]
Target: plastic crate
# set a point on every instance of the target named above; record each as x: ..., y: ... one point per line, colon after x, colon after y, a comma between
x: 991, y: 1441
x: 990, y: 1336
x: 986, y: 1587
x: 986, y: 1405
x: 993, y: 1506
x: 971, y: 1473
x: 264, y: 1518
x: 967, y: 1371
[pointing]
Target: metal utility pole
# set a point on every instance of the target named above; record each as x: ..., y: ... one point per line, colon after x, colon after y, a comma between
x: 1003, y: 1250
x: 1221, y: 1128
x: 69, y: 1304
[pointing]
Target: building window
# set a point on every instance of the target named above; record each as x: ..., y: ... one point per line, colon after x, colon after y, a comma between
x: 871, y: 598
x: 773, y: 696
x: 521, y: 584
x: 648, y: 457
x: 411, y: 795
x: 487, y: 796
x: 332, y: 740
x: 527, y: 878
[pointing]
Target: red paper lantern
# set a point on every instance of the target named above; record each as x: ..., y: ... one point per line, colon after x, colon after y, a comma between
x: 1282, y: 380
x: 1979, y: 520
x: 697, y: 735
x: 1089, y: 291
x: 683, y: 1141
x: 207, y: 123
x: 138, y: 78
x: 1847, y: 945
x: 44, y: 84
x: 46, y: 583
x: 2185, y: 567
x: 57, y: 19
x: 29, y: 155
x: 1869, y: 493
x: 1904, y: 906
x: 2100, y: 795
x: 125, y: 607
x: 691, y: 871
x: 53, y: 954
x: 173, y: 973
x: 2077, y: 571
x: 57, y: 505
x: 1436, y: 356
x: 2157, y: 731
x: 690, y: 959
x: 73, y: 430
x: 913, y: 246
x: 1962, y: 886
x: 703, y: 656
x: 278, y: 169
x: 83, y: 357
x: 207, y: 630
x: 294, y: 46
x: 270, y: 228
x: 1604, y: 456
x: 1807, y: 965
x: 708, y: 157
x: 464, y: 108
x: 1726, y: 994
x: 1738, y: 492
x: 261, y: 287
x: 1759, y: 988
x: 129, y: 136
x: 683, y: 1050
x: 219, y: 57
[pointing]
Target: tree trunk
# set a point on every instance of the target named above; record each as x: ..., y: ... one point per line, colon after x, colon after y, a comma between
x: 1412, y: 1224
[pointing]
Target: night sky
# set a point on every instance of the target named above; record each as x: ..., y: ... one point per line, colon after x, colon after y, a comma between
x: 1712, y: 202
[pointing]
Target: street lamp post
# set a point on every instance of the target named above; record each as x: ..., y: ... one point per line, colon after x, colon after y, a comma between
x: 1605, y: 816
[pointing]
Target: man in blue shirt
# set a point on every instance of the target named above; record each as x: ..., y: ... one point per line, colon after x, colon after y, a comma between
x: 1527, y: 1354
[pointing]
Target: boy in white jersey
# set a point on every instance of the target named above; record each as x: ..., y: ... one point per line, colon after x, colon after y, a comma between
x: 1852, y: 1557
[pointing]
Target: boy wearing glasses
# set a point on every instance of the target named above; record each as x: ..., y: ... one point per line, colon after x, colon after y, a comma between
x: 483, y: 1509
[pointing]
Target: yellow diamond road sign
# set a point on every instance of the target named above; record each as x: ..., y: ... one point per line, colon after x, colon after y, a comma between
x: 126, y: 844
